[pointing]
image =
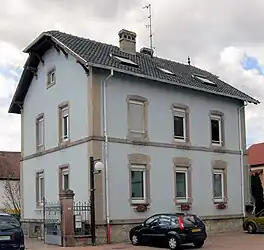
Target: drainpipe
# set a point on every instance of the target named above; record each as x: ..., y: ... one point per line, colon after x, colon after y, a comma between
x: 106, y: 155
x: 241, y: 160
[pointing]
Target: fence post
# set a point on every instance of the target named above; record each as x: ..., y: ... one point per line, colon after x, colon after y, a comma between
x: 67, y: 218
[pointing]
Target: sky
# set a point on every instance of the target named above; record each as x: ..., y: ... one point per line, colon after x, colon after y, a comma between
x: 223, y: 37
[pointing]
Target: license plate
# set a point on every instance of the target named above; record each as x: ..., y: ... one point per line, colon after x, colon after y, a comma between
x: 195, y: 230
x: 5, y: 237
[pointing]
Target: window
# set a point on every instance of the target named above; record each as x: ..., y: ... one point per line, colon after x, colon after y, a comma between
x: 218, y: 185
x: 204, y: 80
x: 124, y: 60
x: 164, y: 220
x: 152, y: 219
x: 51, y: 77
x: 138, y: 184
x: 40, y: 131
x: 216, y: 130
x: 136, y: 118
x: 166, y: 71
x: 179, y: 116
x: 64, y: 178
x: 40, y: 188
x: 64, y: 123
x: 181, y: 184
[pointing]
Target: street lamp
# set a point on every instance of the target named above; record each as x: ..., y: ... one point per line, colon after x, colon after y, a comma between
x: 96, y: 167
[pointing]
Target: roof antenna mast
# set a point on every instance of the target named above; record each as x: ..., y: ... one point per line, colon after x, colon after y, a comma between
x: 149, y: 26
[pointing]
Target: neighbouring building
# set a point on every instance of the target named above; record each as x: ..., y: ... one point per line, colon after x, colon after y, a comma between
x: 256, y: 160
x: 9, y: 179
x: 172, y: 136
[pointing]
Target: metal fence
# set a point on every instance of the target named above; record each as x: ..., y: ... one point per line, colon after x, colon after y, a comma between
x: 82, y: 222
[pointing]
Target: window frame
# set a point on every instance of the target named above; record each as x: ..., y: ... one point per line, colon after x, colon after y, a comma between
x: 180, y: 112
x: 62, y: 108
x: 220, y: 172
x: 139, y: 168
x: 51, y: 72
x: 64, y: 171
x: 185, y: 171
x: 40, y: 118
x: 141, y: 104
x: 217, y: 118
x: 40, y: 194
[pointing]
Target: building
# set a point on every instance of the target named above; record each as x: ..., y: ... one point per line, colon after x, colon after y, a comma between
x: 9, y: 179
x: 171, y: 136
x: 256, y: 159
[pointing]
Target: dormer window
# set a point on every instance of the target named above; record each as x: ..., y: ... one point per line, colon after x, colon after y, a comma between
x: 166, y: 71
x: 124, y: 60
x: 51, y: 77
x: 203, y: 79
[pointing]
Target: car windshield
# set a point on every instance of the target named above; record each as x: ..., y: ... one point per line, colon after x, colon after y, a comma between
x: 7, y: 221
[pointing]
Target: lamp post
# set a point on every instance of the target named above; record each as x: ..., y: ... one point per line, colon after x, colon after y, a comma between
x: 96, y: 167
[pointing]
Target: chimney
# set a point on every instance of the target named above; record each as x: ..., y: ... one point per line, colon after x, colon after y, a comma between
x: 147, y: 51
x: 127, y: 41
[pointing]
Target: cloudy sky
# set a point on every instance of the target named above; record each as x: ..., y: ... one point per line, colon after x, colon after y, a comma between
x: 224, y: 37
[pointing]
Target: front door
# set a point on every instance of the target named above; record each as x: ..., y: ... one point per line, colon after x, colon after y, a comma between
x: 147, y: 230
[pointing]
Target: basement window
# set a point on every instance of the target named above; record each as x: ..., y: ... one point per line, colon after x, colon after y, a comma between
x: 166, y: 71
x: 124, y: 60
x: 204, y: 79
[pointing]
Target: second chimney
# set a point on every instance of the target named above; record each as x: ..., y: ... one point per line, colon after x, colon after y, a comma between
x: 127, y: 41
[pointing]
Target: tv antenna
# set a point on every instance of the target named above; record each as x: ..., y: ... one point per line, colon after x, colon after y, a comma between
x: 149, y: 26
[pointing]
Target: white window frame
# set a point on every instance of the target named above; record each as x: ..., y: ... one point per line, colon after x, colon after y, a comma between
x: 51, y: 74
x: 219, y: 119
x: 64, y: 172
x: 141, y: 103
x: 185, y: 171
x: 65, y: 137
x: 41, y: 192
x: 221, y: 172
x: 39, y: 120
x: 139, y: 168
x: 177, y: 112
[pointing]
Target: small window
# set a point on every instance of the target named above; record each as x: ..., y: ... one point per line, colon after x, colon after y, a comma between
x: 181, y: 184
x: 166, y: 71
x: 179, y: 116
x: 124, y: 60
x: 138, y: 183
x: 40, y: 188
x: 216, y: 129
x: 64, y: 123
x: 51, y: 77
x: 65, y: 178
x: 40, y: 131
x: 218, y: 183
x: 136, y: 112
x: 204, y: 79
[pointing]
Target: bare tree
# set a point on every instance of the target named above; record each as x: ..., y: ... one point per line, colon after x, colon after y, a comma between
x: 11, y: 197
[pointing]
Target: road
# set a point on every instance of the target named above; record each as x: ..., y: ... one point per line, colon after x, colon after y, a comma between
x: 224, y: 241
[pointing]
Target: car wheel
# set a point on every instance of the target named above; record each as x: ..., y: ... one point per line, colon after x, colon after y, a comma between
x: 173, y: 243
x: 251, y: 228
x: 198, y: 244
x: 135, y: 240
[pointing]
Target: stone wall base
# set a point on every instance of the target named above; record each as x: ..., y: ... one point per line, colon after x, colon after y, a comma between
x: 33, y: 229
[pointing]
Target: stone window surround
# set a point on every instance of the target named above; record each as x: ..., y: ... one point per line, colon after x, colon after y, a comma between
x: 222, y: 117
x: 220, y: 165
x: 62, y: 168
x: 183, y: 162
x: 131, y: 135
x: 187, y: 123
x: 141, y: 160
x: 38, y: 117
x: 60, y: 107
x: 51, y: 70
x: 37, y: 175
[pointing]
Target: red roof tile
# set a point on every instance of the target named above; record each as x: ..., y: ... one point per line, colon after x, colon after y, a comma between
x: 256, y: 154
x: 9, y: 165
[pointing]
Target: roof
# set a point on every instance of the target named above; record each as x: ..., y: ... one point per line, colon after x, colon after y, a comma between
x: 256, y: 154
x: 10, y: 165
x: 97, y: 54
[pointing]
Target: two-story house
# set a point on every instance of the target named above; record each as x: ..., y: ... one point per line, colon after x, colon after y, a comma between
x: 169, y: 134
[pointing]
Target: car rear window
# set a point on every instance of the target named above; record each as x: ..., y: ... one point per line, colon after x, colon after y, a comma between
x: 8, y: 220
x: 191, y: 220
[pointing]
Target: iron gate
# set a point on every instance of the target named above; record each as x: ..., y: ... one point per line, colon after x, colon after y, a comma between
x: 52, y: 214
